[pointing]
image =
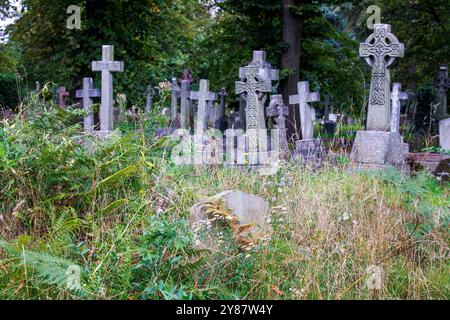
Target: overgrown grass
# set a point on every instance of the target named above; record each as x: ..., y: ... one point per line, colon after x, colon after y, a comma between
x: 118, y: 212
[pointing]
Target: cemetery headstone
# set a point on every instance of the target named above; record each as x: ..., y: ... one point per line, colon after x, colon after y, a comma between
x: 378, y: 146
x: 442, y: 85
x: 185, y: 104
x: 86, y: 94
x: 397, y: 95
x: 254, y: 85
x: 444, y: 134
x: 203, y: 96
x: 308, y: 150
x: 380, y: 51
x: 107, y: 66
x: 149, y: 101
x: 176, y: 93
x: 279, y: 112
x: 62, y: 94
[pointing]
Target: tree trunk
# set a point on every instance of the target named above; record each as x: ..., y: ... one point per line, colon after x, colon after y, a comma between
x: 290, y: 60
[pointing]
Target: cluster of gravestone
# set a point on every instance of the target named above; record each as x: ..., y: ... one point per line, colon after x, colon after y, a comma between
x: 378, y: 145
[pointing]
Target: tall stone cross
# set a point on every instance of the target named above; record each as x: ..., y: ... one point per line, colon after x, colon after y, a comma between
x: 149, y: 102
x: 254, y: 84
x: 442, y: 84
x: 185, y: 103
x: 307, y: 113
x: 203, y: 96
x: 267, y: 73
x: 107, y: 66
x: 176, y: 92
x: 380, y: 50
x: 396, y: 97
x: 62, y: 94
x: 279, y: 112
x: 87, y: 94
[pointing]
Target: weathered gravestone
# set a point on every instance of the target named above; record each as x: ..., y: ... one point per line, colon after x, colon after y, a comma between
x: 268, y: 73
x: 442, y: 85
x: 377, y: 146
x: 62, y: 94
x: 253, y: 86
x: 279, y: 112
x: 203, y: 96
x: 86, y: 94
x: 217, y: 112
x: 149, y: 101
x: 444, y: 134
x: 107, y: 66
x: 308, y: 148
x: 185, y: 104
x: 396, y: 97
x: 246, y: 215
x: 187, y: 76
x: 176, y: 93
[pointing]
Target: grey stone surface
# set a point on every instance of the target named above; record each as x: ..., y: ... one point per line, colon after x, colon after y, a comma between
x: 326, y: 108
x: 203, y: 96
x: 444, y: 134
x: 442, y: 85
x: 378, y: 147
x: 62, y: 94
x: 244, y: 208
x: 252, y: 87
x: 279, y: 112
x: 107, y: 66
x: 396, y: 97
x: 176, y: 93
x: 149, y: 101
x: 87, y: 94
x: 185, y: 104
x: 307, y: 113
x: 380, y: 50
x: 309, y: 152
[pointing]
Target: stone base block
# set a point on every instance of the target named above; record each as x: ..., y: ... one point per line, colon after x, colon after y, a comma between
x: 379, y: 148
x: 444, y: 134
x: 309, y: 151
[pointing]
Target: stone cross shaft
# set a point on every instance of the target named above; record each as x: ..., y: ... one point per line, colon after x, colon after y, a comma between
x: 149, y: 102
x: 176, y: 92
x: 204, y: 96
x: 307, y: 113
x: 380, y: 50
x: 327, y: 104
x: 87, y: 93
x: 442, y: 84
x: 279, y: 112
x: 62, y: 94
x: 253, y: 85
x: 107, y: 65
x: 185, y: 103
x: 396, y: 96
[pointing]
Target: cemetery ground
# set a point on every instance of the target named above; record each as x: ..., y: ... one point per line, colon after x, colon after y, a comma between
x: 118, y: 214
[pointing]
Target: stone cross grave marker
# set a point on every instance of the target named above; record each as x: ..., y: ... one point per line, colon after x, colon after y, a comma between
x: 380, y: 50
x: 107, y: 66
x: 87, y: 93
x: 203, y: 96
x: 217, y: 113
x: 442, y: 85
x: 149, y: 101
x: 268, y: 73
x: 176, y: 93
x: 279, y: 112
x: 185, y: 104
x: 62, y: 94
x: 397, y: 95
x: 307, y: 113
x: 254, y: 85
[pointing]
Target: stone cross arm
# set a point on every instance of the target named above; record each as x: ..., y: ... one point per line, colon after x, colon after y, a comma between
x: 92, y: 93
x: 304, y: 95
x: 112, y: 66
x: 397, y: 94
